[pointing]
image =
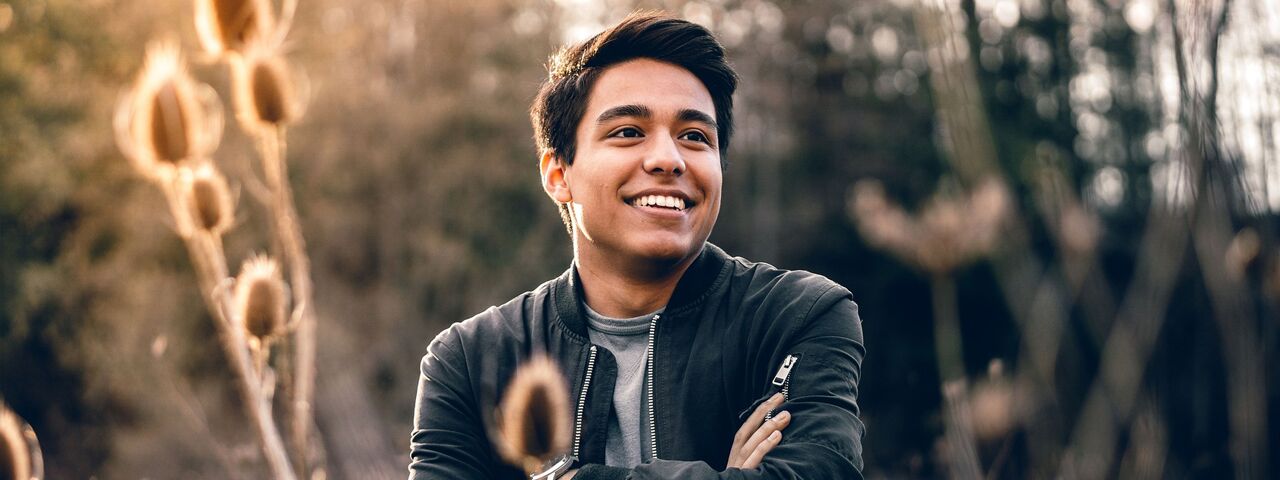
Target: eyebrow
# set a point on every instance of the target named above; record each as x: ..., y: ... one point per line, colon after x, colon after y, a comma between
x: 691, y: 115
x: 623, y: 111
x: 643, y: 112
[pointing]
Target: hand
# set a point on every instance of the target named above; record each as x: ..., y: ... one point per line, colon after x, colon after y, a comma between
x: 757, y: 436
x: 569, y: 474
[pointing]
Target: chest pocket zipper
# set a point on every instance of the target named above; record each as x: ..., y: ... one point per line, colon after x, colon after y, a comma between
x: 783, y: 379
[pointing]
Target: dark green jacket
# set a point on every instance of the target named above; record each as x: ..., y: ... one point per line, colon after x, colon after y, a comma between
x: 728, y: 328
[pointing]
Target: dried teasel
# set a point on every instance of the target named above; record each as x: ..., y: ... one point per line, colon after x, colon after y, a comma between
x: 227, y: 26
x: 882, y: 223
x: 260, y: 298
x: 20, y: 456
x: 987, y: 205
x: 534, y: 417
x: 265, y: 89
x: 208, y: 200
x: 1242, y: 254
x: 167, y: 118
x: 950, y: 230
x: 1079, y: 230
x: 993, y: 405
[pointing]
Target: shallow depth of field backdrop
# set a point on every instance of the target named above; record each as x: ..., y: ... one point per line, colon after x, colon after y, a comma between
x: 1057, y: 216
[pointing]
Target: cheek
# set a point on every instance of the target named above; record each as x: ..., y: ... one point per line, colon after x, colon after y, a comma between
x: 712, y: 181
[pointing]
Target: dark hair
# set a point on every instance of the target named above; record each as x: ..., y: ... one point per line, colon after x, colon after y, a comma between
x: 562, y: 100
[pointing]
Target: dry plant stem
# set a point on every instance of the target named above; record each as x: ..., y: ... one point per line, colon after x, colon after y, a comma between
x: 946, y: 329
x: 289, y: 235
x: 1214, y: 178
x: 963, y: 456
x: 194, y: 413
x: 970, y: 150
x: 1128, y: 348
x: 211, y: 267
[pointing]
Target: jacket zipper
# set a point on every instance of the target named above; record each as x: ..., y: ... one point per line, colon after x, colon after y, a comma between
x: 783, y: 379
x: 653, y: 424
x: 582, y: 403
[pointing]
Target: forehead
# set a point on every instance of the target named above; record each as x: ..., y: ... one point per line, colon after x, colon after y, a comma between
x: 663, y: 87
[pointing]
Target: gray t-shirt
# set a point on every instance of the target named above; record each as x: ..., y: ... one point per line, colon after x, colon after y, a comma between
x: 627, y: 339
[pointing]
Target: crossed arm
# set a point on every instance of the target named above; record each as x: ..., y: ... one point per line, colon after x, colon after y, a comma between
x: 755, y: 438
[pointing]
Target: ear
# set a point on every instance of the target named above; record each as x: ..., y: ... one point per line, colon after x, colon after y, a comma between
x: 554, y: 173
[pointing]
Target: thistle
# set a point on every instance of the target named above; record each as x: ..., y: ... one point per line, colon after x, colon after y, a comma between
x: 167, y: 118
x: 227, y: 26
x: 260, y: 300
x: 264, y: 91
x: 208, y: 200
x: 534, y: 417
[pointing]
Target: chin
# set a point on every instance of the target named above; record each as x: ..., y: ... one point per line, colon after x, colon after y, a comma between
x: 668, y: 249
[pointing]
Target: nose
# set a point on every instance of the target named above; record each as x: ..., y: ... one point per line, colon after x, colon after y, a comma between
x: 664, y: 158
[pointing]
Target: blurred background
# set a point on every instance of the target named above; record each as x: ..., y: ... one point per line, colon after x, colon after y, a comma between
x: 1107, y: 309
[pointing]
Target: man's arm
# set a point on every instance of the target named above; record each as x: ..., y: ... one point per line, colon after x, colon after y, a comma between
x: 448, y: 438
x: 824, y: 437
x: 754, y: 439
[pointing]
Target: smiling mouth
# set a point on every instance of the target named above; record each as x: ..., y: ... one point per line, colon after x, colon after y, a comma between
x: 659, y: 201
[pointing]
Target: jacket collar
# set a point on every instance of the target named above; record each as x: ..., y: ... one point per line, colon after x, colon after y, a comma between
x: 703, y: 274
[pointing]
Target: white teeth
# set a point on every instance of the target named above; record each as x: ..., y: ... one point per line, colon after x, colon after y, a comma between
x: 660, y: 201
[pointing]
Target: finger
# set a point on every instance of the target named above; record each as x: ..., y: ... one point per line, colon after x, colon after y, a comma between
x: 737, y: 453
x: 779, y: 421
x: 757, y: 417
x: 757, y: 455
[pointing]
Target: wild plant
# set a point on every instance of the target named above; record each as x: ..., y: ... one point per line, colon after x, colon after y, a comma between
x: 168, y: 125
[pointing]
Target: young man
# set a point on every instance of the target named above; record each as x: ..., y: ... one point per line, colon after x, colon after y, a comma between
x: 682, y: 362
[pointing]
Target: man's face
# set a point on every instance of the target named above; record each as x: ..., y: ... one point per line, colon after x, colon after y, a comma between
x: 646, y: 180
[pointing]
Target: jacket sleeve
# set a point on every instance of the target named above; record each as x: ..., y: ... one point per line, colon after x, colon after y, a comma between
x: 824, y: 438
x: 448, y: 438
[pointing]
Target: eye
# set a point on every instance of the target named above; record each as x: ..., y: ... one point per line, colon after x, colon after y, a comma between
x: 626, y: 132
x: 696, y: 136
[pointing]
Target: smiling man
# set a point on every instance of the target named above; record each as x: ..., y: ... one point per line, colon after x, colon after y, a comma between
x: 682, y: 362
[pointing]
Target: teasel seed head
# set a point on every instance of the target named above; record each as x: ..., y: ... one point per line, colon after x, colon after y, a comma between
x: 170, y: 123
x: 20, y: 457
x: 988, y: 206
x: 227, y: 26
x: 1243, y: 254
x: 208, y: 200
x: 535, y: 422
x: 951, y: 229
x: 1079, y: 230
x: 881, y: 223
x: 993, y: 404
x: 260, y: 299
x: 264, y: 87
x: 167, y: 118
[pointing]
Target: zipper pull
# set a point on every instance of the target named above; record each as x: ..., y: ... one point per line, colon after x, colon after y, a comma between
x: 785, y: 370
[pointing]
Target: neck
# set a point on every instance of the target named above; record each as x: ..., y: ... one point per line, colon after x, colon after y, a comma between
x: 624, y: 289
